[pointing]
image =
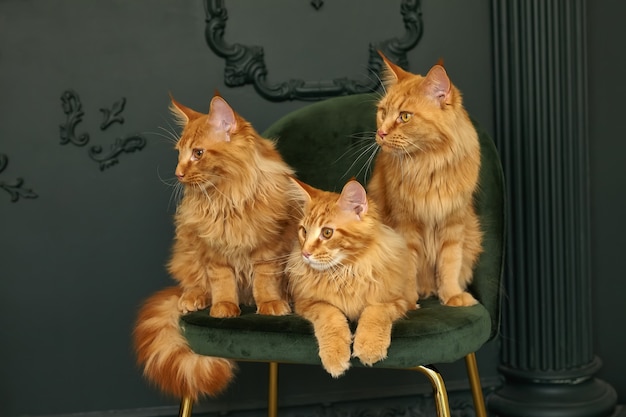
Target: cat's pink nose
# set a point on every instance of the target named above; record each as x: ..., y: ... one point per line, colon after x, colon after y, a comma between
x: 180, y: 175
x: 381, y: 133
x: 306, y: 254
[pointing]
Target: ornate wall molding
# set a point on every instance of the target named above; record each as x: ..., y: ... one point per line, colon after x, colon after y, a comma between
x: 246, y: 64
x: 317, y: 4
x: 73, y: 109
x: 112, y: 115
x: 15, y: 189
x: 121, y: 145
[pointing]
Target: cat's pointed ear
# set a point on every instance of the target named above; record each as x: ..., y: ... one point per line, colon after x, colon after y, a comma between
x: 392, y: 72
x: 306, y: 191
x: 438, y: 85
x: 222, y: 116
x: 181, y: 113
x: 353, y: 199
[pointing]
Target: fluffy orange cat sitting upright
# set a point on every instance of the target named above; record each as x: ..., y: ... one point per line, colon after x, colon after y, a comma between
x: 349, y: 266
x: 234, y: 229
x: 425, y: 176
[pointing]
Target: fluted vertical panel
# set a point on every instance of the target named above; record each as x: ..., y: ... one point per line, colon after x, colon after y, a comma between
x: 542, y: 135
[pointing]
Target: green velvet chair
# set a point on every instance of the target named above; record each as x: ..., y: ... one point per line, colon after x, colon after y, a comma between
x: 322, y: 141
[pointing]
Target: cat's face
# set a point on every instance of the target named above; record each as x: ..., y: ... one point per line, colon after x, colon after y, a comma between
x: 412, y: 110
x: 320, y: 249
x: 334, y: 228
x: 205, y: 146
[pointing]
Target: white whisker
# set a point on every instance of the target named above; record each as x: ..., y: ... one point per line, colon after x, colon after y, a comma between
x: 372, y: 149
x: 366, y: 150
x: 380, y: 83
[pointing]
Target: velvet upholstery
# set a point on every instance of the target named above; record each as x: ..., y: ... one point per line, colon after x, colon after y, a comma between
x: 322, y: 141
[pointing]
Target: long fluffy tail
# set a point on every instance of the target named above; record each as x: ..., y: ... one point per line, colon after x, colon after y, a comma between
x: 167, y: 359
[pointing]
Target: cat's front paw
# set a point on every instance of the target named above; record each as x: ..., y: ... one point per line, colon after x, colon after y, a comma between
x: 336, y: 361
x: 463, y: 299
x: 274, y: 308
x: 192, y: 300
x: 224, y: 309
x: 370, y: 350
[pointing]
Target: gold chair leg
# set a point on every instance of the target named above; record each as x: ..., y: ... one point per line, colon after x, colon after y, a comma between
x: 474, y: 380
x: 272, y: 400
x: 185, y: 407
x: 439, y: 389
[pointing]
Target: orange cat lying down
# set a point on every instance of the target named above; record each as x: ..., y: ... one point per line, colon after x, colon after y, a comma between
x: 348, y: 266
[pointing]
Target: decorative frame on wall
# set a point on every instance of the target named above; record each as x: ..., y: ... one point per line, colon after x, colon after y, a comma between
x: 246, y: 64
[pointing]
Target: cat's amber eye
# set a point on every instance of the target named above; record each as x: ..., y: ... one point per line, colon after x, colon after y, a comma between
x: 405, y: 116
x: 302, y: 232
x: 196, y: 154
x: 327, y: 232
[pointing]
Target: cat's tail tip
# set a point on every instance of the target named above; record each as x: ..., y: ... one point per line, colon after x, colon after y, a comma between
x: 166, y: 358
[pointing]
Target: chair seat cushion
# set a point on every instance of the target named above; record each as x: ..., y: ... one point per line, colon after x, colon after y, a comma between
x: 432, y: 334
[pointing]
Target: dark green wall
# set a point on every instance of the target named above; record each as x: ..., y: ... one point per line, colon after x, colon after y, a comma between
x: 607, y: 157
x: 76, y: 261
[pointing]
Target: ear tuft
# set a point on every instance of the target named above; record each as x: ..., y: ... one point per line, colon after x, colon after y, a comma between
x: 392, y: 73
x: 181, y: 113
x: 305, y: 189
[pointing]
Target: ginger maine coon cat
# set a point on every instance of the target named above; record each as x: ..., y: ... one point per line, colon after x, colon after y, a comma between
x: 425, y: 176
x: 349, y: 266
x: 235, y: 227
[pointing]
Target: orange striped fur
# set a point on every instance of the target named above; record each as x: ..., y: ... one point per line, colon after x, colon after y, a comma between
x: 425, y: 176
x: 166, y: 358
x: 349, y: 266
x: 235, y: 227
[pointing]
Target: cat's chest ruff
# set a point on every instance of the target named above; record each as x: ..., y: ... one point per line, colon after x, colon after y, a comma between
x: 348, y: 291
x: 429, y: 195
x: 233, y: 228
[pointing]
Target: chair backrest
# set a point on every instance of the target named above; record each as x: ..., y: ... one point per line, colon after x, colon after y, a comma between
x: 325, y: 142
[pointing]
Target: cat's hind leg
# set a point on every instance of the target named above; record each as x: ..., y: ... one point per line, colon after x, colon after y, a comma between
x: 194, y: 299
x: 451, y: 288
